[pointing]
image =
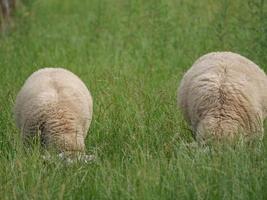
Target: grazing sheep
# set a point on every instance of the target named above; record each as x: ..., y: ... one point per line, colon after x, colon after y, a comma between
x: 224, y: 94
x: 55, y: 104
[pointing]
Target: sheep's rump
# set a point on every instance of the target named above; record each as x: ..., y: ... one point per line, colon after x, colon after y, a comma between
x: 56, y: 104
x: 222, y: 94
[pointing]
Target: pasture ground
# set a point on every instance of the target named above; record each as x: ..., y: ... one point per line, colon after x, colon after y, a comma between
x: 131, y: 55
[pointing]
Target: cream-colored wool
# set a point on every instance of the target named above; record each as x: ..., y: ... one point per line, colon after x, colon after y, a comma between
x: 223, y: 94
x: 55, y: 103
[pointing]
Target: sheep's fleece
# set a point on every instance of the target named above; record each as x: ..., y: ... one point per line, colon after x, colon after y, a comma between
x: 223, y: 94
x: 55, y: 105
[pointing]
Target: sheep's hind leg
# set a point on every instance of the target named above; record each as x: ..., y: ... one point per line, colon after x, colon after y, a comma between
x: 72, y: 149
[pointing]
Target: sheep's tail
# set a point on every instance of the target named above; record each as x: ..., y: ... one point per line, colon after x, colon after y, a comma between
x: 213, y: 128
x: 220, y: 129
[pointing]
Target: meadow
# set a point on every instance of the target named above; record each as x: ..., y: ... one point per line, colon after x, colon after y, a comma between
x: 132, y: 56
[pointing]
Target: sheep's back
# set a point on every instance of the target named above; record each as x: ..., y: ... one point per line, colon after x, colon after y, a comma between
x: 47, y: 93
x: 223, y: 89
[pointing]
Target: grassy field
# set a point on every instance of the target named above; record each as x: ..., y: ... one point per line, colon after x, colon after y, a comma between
x: 131, y: 55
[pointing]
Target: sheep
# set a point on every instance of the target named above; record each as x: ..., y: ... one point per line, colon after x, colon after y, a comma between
x: 222, y: 96
x: 54, y: 105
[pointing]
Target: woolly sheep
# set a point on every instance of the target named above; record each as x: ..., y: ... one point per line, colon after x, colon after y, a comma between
x: 224, y: 94
x: 56, y: 104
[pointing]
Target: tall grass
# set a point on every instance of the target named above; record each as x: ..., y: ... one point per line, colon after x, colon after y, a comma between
x: 131, y: 55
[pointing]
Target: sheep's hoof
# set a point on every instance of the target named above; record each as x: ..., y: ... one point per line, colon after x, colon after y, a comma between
x: 70, y: 158
x: 76, y: 158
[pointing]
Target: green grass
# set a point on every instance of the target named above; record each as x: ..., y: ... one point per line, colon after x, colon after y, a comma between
x: 131, y: 55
